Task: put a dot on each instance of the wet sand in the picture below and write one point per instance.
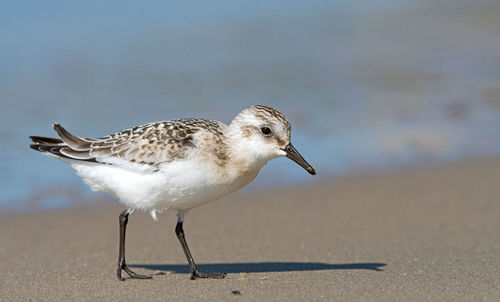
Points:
(428, 233)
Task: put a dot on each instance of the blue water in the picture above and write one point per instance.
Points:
(366, 86)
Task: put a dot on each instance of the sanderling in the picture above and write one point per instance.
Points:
(175, 165)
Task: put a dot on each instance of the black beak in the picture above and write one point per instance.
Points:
(294, 155)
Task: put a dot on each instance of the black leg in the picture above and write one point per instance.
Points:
(123, 218)
(195, 273)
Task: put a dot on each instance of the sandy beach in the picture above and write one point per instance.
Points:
(429, 233)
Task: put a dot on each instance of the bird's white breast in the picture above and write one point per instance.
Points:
(178, 185)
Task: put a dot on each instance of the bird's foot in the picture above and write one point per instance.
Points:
(197, 274)
(123, 266)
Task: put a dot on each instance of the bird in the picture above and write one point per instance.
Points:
(175, 165)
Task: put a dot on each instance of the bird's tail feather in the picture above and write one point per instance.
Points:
(46, 140)
(74, 142)
(69, 146)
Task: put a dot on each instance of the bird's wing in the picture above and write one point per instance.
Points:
(150, 144)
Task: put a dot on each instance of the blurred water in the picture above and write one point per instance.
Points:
(366, 85)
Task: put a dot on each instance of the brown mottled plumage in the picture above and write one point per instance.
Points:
(150, 144)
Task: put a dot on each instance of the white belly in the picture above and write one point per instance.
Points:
(178, 185)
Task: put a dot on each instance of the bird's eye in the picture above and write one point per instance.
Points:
(266, 131)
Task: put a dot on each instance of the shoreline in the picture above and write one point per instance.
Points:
(423, 233)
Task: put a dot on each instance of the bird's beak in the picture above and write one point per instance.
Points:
(294, 155)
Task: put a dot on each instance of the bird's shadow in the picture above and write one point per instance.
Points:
(263, 267)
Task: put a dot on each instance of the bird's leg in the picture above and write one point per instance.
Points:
(195, 273)
(123, 218)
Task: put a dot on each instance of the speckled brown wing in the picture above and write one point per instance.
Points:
(153, 143)
(150, 144)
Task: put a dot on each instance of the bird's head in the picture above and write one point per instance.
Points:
(264, 133)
